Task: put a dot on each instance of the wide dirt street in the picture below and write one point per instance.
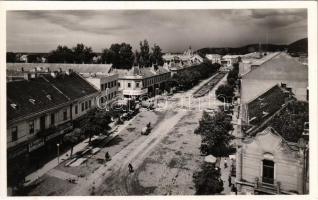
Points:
(163, 161)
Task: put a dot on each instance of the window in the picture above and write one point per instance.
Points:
(108, 84)
(102, 87)
(82, 106)
(137, 84)
(76, 110)
(268, 171)
(14, 133)
(90, 103)
(129, 85)
(118, 84)
(86, 105)
(31, 127)
(52, 119)
(64, 115)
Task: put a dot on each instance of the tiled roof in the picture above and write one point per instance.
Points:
(80, 68)
(265, 105)
(44, 92)
(143, 72)
(290, 121)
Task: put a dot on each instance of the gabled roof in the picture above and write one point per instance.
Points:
(32, 96)
(280, 68)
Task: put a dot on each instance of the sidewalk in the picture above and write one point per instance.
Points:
(53, 163)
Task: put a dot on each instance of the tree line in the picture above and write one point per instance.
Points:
(121, 55)
(225, 92)
(186, 79)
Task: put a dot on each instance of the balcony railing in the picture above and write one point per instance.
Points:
(267, 185)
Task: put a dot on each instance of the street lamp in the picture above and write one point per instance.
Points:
(58, 153)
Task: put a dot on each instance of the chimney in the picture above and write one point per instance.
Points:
(68, 72)
(26, 76)
(283, 85)
(289, 89)
(53, 74)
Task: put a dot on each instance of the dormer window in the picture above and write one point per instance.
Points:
(49, 97)
(13, 105)
(32, 101)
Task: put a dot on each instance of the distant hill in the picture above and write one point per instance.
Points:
(242, 50)
(298, 47)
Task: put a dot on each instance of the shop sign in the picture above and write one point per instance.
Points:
(36, 144)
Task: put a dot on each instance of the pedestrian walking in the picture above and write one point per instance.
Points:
(107, 156)
(225, 163)
(130, 167)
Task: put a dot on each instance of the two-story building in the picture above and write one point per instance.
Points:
(107, 84)
(139, 82)
(40, 110)
(272, 149)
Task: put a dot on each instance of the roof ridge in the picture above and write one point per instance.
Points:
(68, 98)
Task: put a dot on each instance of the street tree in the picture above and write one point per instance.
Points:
(97, 122)
(208, 181)
(214, 131)
(225, 93)
(72, 138)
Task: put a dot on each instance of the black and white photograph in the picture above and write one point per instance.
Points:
(148, 102)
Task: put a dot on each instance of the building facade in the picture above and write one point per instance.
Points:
(139, 82)
(107, 84)
(40, 110)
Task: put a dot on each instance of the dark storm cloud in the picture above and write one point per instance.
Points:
(279, 18)
(173, 30)
(71, 20)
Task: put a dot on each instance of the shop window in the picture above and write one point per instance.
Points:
(14, 133)
(31, 127)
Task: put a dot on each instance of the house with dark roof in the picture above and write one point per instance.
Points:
(42, 108)
(272, 144)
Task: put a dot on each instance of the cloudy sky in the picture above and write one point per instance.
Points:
(173, 30)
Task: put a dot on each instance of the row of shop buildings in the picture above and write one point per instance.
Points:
(44, 100)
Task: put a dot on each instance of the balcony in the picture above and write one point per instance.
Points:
(267, 185)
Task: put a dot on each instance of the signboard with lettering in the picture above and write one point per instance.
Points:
(36, 144)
